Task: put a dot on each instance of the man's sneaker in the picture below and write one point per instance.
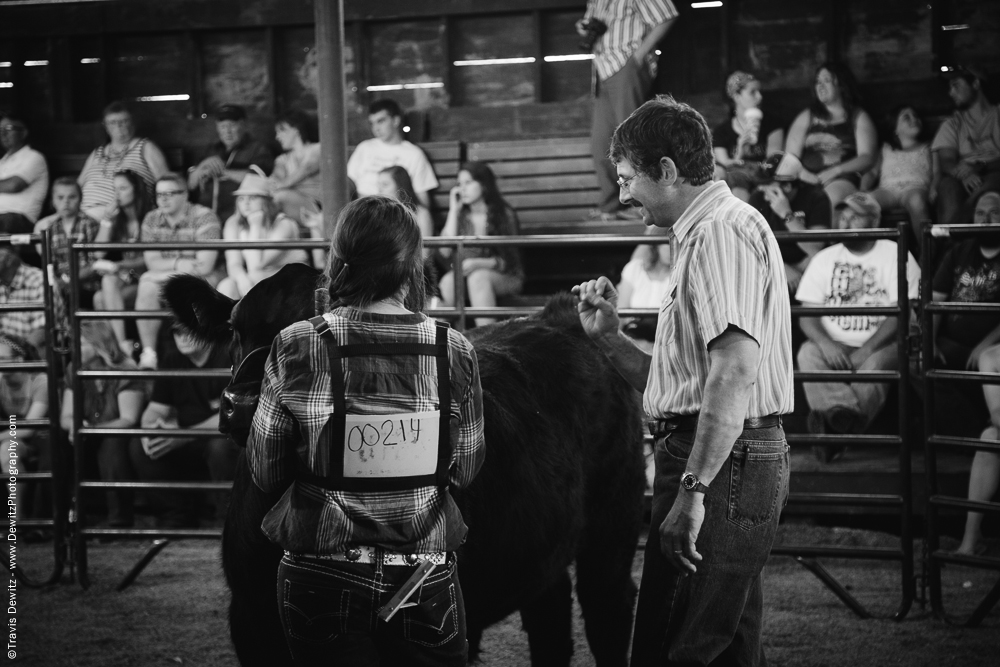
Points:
(148, 359)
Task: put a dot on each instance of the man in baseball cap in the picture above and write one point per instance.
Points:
(857, 272)
(226, 162)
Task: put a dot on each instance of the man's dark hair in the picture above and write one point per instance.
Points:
(304, 122)
(13, 117)
(385, 104)
(116, 107)
(664, 127)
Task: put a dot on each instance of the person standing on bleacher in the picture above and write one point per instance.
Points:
(622, 35)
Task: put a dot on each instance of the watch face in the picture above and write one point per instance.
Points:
(689, 481)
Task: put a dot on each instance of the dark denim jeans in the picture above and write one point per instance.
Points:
(713, 617)
(329, 610)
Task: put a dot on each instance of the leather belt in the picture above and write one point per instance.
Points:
(661, 427)
(375, 555)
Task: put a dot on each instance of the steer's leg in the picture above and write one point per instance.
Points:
(548, 620)
(606, 591)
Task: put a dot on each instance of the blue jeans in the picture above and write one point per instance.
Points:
(713, 617)
(329, 611)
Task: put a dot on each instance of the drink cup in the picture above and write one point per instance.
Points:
(751, 120)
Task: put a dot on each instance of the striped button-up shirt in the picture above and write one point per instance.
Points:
(296, 402)
(728, 271)
(628, 21)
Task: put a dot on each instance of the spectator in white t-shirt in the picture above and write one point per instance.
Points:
(389, 149)
(645, 280)
(24, 178)
(858, 272)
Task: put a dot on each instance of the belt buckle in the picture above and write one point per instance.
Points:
(352, 555)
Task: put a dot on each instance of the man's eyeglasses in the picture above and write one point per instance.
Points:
(623, 183)
(11, 128)
(170, 193)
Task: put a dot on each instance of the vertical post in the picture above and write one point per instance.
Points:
(332, 110)
(905, 471)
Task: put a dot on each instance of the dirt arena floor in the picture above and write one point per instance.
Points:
(174, 614)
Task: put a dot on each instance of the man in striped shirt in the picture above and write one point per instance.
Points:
(719, 378)
(625, 65)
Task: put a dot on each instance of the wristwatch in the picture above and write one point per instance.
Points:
(690, 482)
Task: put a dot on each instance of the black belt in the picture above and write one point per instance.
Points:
(660, 427)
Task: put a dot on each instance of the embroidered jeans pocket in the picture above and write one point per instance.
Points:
(315, 614)
(756, 479)
(432, 622)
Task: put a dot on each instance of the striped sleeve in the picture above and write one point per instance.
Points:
(727, 264)
(655, 12)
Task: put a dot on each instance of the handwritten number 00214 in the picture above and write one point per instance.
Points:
(367, 434)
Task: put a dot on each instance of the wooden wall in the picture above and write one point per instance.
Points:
(258, 53)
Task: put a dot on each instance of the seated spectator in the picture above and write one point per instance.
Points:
(108, 403)
(476, 208)
(176, 220)
(24, 178)
(226, 163)
(20, 283)
(790, 205)
(645, 280)
(968, 149)
(395, 182)
(120, 271)
(123, 151)
(68, 225)
(835, 139)
(858, 272)
(388, 148)
(25, 395)
(296, 180)
(969, 341)
(186, 402)
(904, 171)
(743, 141)
(257, 218)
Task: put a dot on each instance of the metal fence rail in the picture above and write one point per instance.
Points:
(936, 558)
(901, 502)
(59, 468)
(804, 554)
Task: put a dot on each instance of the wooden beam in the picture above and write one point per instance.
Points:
(196, 105)
(332, 110)
(536, 22)
(270, 44)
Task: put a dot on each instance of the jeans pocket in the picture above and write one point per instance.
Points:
(432, 622)
(314, 614)
(757, 471)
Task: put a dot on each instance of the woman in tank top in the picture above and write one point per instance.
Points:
(123, 152)
(834, 138)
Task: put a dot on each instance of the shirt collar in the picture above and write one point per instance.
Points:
(695, 211)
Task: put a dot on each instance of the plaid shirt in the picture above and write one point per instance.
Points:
(199, 224)
(26, 285)
(296, 402)
(84, 230)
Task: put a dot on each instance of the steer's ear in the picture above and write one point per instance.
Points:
(199, 307)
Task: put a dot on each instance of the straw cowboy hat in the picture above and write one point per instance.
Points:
(254, 183)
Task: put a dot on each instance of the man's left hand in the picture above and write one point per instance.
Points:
(679, 531)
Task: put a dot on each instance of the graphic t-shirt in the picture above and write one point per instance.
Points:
(965, 275)
(838, 277)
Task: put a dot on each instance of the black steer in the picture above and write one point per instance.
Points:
(562, 480)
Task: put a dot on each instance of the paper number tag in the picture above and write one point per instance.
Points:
(396, 445)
